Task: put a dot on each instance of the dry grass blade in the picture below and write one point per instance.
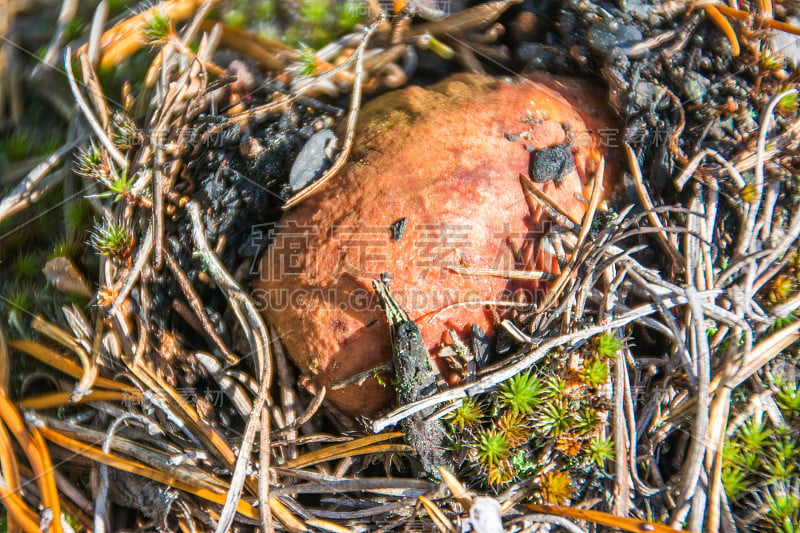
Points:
(5, 365)
(441, 521)
(90, 371)
(549, 205)
(138, 452)
(559, 285)
(94, 89)
(768, 22)
(311, 410)
(272, 55)
(145, 250)
(61, 399)
(264, 461)
(197, 306)
(88, 114)
(648, 206)
(725, 26)
(60, 336)
(210, 437)
(519, 364)
(782, 26)
(339, 450)
(158, 207)
(747, 234)
(8, 465)
(286, 517)
(505, 274)
(127, 37)
(95, 33)
(594, 202)
(242, 304)
(365, 450)
(471, 18)
(720, 410)
(29, 189)
(19, 514)
(35, 450)
(692, 466)
(243, 460)
(457, 489)
(59, 362)
(494, 303)
(328, 526)
(45, 478)
(96, 454)
(761, 354)
(696, 275)
(605, 519)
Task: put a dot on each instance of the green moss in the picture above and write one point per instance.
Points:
(788, 104)
(18, 301)
(17, 146)
(491, 447)
(64, 248)
(321, 21)
(524, 466)
(74, 28)
(760, 469)
(26, 266)
(554, 419)
(595, 373)
(783, 508)
(111, 239)
(264, 11)
(607, 345)
(157, 28)
(235, 18)
(601, 450)
(754, 434)
(734, 480)
(119, 186)
(555, 387)
(587, 421)
(308, 62)
(350, 13)
(315, 12)
(467, 414)
(124, 133)
(788, 397)
(522, 393)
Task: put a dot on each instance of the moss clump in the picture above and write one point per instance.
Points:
(760, 465)
(544, 424)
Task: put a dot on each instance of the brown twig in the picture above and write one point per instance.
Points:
(352, 118)
(197, 306)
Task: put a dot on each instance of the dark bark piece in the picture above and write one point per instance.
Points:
(415, 380)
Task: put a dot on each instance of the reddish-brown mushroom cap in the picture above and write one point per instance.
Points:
(441, 158)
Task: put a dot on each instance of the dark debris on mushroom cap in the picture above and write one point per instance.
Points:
(551, 163)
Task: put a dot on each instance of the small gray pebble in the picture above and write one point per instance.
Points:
(485, 516)
(608, 34)
(312, 161)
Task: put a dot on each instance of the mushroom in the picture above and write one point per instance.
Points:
(432, 185)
